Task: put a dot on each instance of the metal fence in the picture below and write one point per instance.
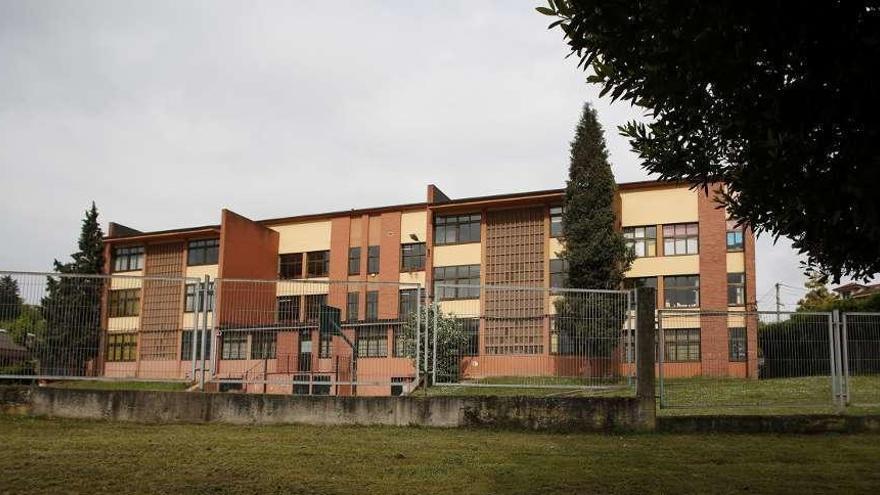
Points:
(733, 359)
(501, 336)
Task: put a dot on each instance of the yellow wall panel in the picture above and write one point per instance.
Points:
(658, 206)
(554, 248)
(200, 271)
(414, 222)
(123, 324)
(303, 237)
(457, 254)
(294, 288)
(122, 280)
(412, 278)
(462, 307)
(736, 263)
(665, 265)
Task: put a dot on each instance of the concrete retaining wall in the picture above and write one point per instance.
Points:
(546, 414)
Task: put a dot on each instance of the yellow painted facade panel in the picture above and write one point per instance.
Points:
(413, 278)
(303, 237)
(122, 280)
(461, 307)
(123, 323)
(665, 265)
(295, 288)
(554, 248)
(200, 271)
(736, 263)
(658, 206)
(458, 254)
(414, 222)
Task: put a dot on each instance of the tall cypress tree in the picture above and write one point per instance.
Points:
(10, 299)
(72, 306)
(590, 323)
(595, 250)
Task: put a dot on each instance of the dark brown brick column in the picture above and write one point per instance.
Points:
(713, 283)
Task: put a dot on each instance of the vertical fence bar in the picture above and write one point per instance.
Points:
(203, 342)
(434, 347)
(832, 364)
(197, 302)
(845, 347)
(661, 345)
(419, 307)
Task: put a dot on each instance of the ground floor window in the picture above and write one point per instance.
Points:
(234, 346)
(186, 343)
(122, 347)
(263, 345)
(681, 345)
(372, 341)
(738, 344)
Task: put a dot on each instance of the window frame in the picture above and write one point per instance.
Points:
(295, 262)
(457, 223)
(354, 260)
(671, 340)
(556, 213)
(683, 237)
(121, 347)
(740, 288)
(186, 340)
(737, 346)
(376, 339)
(234, 349)
(373, 260)
(732, 229)
(667, 287)
(558, 268)
(322, 261)
(630, 236)
(312, 306)
(189, 298)
(406, 256)
(371, 308)
(128, 253)
(264, 345)
(406, 298)
(352, 306)
(457, 293)
(121, 303)
(205, 247)
(295, 302)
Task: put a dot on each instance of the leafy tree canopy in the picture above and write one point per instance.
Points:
(817, 297)
(778, 100)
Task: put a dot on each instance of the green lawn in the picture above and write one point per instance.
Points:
(120, 385)
(64, 456)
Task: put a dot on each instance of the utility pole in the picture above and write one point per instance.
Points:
(778, 303)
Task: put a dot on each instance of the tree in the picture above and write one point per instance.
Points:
(818, 297)
(594, 249)
(779, 102)
(72, 305)
(452, 339)
(10, 299)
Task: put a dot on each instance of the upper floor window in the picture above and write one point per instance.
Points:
(680, 239)
(318, 263)
(263, 345)
(290, 265)
(457, 275)
(186, 344)
(457, 229)
(642, 241)
(555, 221)
(412, 257)
(372, 307)
(638, 282)
(234, 345)
(313, 306)
(121, 346)
(558, 272)
(682, 291)
(203, 252)
(195, 292)
(124, 302)
(354, 260)
(373, 260)
(127, 259)
(734, 236)
(352, 306)
(288, 308)
(736, 289)
(408, 303)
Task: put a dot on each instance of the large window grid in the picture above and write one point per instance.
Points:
(372, 260)
(372, 341)
(642, 241)
(290, 266)
(127, 259)
(234, 346)
(121, 347)
(318, 263)
(461, 274)
(412, 257)
(193, 293)
(457, 229)
(124, 302)
(736, 289)
(681, 345)
(681, 291)
(681, 239)
(203, 252)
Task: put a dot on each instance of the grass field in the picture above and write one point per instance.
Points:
(41, 456)
(120, 385)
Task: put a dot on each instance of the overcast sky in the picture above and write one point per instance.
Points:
(165, 112)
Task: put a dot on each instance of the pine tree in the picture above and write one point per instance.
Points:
(597, 257)
(72, 306)
(10, 299)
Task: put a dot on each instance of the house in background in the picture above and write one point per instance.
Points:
(855, 290)
(686, 248)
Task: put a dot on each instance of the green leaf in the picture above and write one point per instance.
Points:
(545, 11)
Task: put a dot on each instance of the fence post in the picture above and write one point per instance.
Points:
(646, 298)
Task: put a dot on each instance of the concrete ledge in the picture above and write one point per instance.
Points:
(531, 413)
(806, 423)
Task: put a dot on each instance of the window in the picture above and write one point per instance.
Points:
(558, 273)
(682, 345)
(404, 343)
(637, 282)
(372, 341)
(318, 263)
(462, 274)
(680, 239)
(736, 289)
(320, 385)
(234, 346)
(186, 343)
(642, 241)
(290, 266)
(555, 221)
(263, 345)
(304, 363)
(412, 257)
(372, 307)
(124, 302)
(738, 344)
(408, 303)
(121, 347)
(193, 293)
(470, 328)
(325, 342)
(313, 306)
(351, 306)
(734, 236)
(354, 260)
(128, 259)
(204, 252)
(457, 229)
(682, 291)
(373, 260)
(288, 309)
